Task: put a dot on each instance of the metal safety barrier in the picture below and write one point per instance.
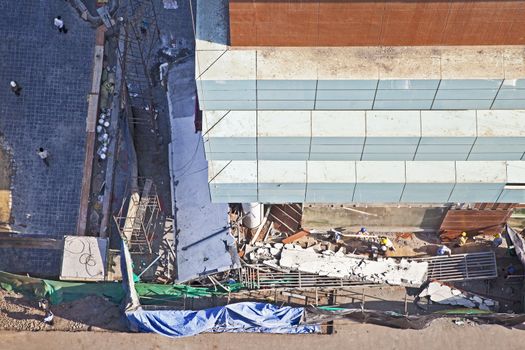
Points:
(462, 267)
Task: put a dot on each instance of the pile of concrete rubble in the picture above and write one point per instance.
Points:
(293, 257)
(442, 293)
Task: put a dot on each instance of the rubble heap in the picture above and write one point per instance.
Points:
(444, 294)
(340, 265)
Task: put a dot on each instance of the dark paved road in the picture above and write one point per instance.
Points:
(54, 71)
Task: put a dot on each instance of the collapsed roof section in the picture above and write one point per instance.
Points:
(203, 240)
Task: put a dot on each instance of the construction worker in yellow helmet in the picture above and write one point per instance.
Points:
(497, 240)
(463, 239)
(386, 244)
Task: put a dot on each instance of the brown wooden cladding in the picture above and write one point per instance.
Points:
(376, 23)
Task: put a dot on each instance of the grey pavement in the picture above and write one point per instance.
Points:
(54, 70)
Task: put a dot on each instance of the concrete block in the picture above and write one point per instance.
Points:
(398, 63)
(380, 172)
(330, 124)
(393, 123)
(287, 64)
(282, 172)
(283, 124)
(331, 172)
(425, 172)
(233, 64)
(229, 124)
(232, 171)
(480, 172)
(501, 123)
(448, 124)
(516, 172)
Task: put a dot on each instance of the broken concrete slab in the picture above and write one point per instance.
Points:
(442, 293)
(353, 267)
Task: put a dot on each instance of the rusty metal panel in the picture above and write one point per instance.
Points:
(287, 217)
(485, 218)
(374, 23)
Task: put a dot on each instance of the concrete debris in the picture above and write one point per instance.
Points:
(351, 267)
(444, 294)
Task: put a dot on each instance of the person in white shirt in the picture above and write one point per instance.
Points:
(43, 154)
(59, 23)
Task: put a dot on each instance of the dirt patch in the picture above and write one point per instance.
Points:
(441, 334)
(19, 313)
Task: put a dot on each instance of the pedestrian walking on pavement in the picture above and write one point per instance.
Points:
(59, 23)
(15, 87)
(43, 154)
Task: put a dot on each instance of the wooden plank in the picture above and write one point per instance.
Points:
(296, 236)
(96, 78)
(86, 184)
(30, 242)
(91, 120)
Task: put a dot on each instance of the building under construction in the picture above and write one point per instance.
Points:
(373, 177)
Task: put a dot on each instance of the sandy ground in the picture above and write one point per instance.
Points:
(18, 313)
(442, 334)
(5, 187)
(94, 323)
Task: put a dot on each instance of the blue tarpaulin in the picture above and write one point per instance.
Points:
(239, 317)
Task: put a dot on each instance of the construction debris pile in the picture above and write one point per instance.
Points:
(293, 257)
(444, 294)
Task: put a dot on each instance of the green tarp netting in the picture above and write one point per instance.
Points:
(59, 291)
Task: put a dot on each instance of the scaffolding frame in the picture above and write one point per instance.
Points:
(138, 221)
